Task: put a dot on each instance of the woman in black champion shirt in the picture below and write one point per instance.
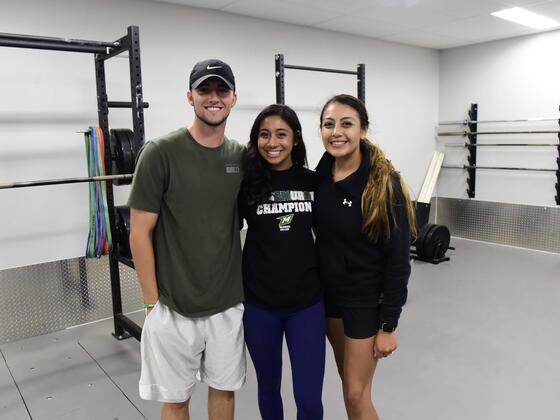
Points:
(283, 296)
(363, 218)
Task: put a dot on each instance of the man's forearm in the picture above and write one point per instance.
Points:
(141, 246)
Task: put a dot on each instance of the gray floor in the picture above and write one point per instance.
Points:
(479, 339)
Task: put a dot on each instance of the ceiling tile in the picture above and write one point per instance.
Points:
(478, 28)
(361, 26)
(206, 4)
(428, 23)
(280, 11)
(342, 7)
(462, 9)
(425, 39)
(549, 9)
(525, 3)
(409, 13)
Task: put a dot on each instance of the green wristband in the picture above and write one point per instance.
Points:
(149, 305)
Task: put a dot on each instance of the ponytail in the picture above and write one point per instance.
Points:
(378, 198)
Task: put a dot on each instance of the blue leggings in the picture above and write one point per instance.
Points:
(305, 337)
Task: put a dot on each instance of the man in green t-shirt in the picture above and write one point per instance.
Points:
(186, 248)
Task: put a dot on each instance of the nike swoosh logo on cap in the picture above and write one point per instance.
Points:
(209, 67)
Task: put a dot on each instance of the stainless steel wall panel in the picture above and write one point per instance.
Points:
(48, 297)
(533, 227)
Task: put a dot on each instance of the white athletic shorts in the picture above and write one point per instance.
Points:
(177, 351)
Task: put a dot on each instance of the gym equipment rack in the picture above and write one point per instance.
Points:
(472, 134)
(360, 73)
(124, 327)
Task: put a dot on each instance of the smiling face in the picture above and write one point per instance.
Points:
(341, 130)
(212, 101)
(275, 142)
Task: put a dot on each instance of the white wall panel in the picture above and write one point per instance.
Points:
(511, 79)
(47, 96)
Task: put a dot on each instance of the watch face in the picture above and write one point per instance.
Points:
(388, 328)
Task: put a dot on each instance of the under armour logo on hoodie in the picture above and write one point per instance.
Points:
(347, 203)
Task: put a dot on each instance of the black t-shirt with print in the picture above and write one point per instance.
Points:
(279, 260)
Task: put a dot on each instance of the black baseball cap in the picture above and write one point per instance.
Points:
(206, 69)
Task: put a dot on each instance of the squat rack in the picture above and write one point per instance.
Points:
(360, 73)
(124, 327)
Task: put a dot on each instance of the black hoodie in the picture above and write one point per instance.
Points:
(356, 271)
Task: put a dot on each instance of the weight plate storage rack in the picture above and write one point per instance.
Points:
(124, 145)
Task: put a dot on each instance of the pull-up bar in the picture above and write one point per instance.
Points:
(360, 73)
(287, 66)
(58, 44)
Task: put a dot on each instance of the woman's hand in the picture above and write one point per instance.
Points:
(384, 344)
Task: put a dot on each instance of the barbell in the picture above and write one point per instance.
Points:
(466, 132)
(124, 152)
(58, 181)
(501, 168)
(465, 122)
(503, 145)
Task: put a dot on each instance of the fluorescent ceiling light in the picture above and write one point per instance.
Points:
(524, 17)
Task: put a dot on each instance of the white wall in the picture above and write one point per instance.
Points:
(510, 79)
(48, 96)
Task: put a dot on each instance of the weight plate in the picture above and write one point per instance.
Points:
(421, 239)
(122, 153)
(436, 242)
(129, 164)
(116, 152)
(122, 225)
(126, 146)
(428, 243)
(441, 238)
(136, 146)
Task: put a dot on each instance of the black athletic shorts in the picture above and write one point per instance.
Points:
(357, 322)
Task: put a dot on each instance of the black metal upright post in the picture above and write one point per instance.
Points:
(471, 169)
(103, 116)
(362, 82)
(279, 73)
(131, 43)
(136, 88)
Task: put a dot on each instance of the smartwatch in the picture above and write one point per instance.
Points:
(387, 327)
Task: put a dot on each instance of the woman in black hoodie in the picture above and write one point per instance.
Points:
(364, 218)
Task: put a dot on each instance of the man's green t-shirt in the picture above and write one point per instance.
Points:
(196, 239)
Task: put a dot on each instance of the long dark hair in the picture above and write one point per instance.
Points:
(378, 198)
(256, 179)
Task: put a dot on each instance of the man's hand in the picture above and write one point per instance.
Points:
(142, 224)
